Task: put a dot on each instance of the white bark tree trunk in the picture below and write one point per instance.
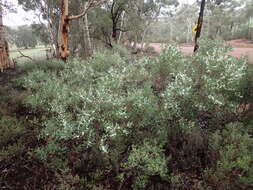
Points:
(87, 31)
(143, 37)
(121, 26)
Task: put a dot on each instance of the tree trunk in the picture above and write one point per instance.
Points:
(121, 26)
(147, 25)
(53, 39)
(200, 23)
(85, 41)
(143, 37)
(171, 31)
(251, 37)
(189, 34)
(218, 31)
(87, 31)
(114, 32)
(5, 61)
(64, 25)
(250, 28)
(135, 42)
(63, 31)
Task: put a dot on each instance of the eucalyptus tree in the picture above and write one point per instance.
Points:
(110, 21)
(230, 19)
(49, 11)
(248, 15)
(130, 17)
(58, 18)
(41, 33)
(145, 13)
(5, 61)
(152, 10)
(117, 8)
(224, 16)
(25, 37)
(65, 19)
(167, 29)
(101, 26)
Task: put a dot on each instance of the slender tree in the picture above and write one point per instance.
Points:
(65, 19)
(5, 61)
(200, 23)
(117, 9)
(87, 32)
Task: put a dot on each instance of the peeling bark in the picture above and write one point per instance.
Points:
(5, 61)
(63, 31)
(64, 25)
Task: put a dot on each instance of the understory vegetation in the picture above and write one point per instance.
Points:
(116, 122)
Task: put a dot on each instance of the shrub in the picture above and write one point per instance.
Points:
(164, 68)
(102, 62)
(11, 131)
(122, 51)
(209, 89)
(53, 65)
(111, 123)
(149, 50)
(146, 161)
(232, 159)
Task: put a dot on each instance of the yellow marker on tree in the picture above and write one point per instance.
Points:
(194, 29)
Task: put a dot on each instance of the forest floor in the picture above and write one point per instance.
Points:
(241, 48)
(9, 96)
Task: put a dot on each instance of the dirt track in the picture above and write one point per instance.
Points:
(237, 51)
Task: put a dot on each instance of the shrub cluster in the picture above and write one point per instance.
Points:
(116, 123)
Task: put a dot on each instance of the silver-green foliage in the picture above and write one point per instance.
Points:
(147, 160)
(233, 149)
(210, 83)
(127, 110)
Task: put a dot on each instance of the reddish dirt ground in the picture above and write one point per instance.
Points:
(240, 48)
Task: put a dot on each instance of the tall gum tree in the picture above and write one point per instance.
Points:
(65, 19)
(5, 61)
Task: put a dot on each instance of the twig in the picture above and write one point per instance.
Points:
(23, 55)
(91, 5)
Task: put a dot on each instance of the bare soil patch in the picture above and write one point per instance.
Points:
(240, 48)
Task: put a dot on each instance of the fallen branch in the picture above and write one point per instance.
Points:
(23, 55)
